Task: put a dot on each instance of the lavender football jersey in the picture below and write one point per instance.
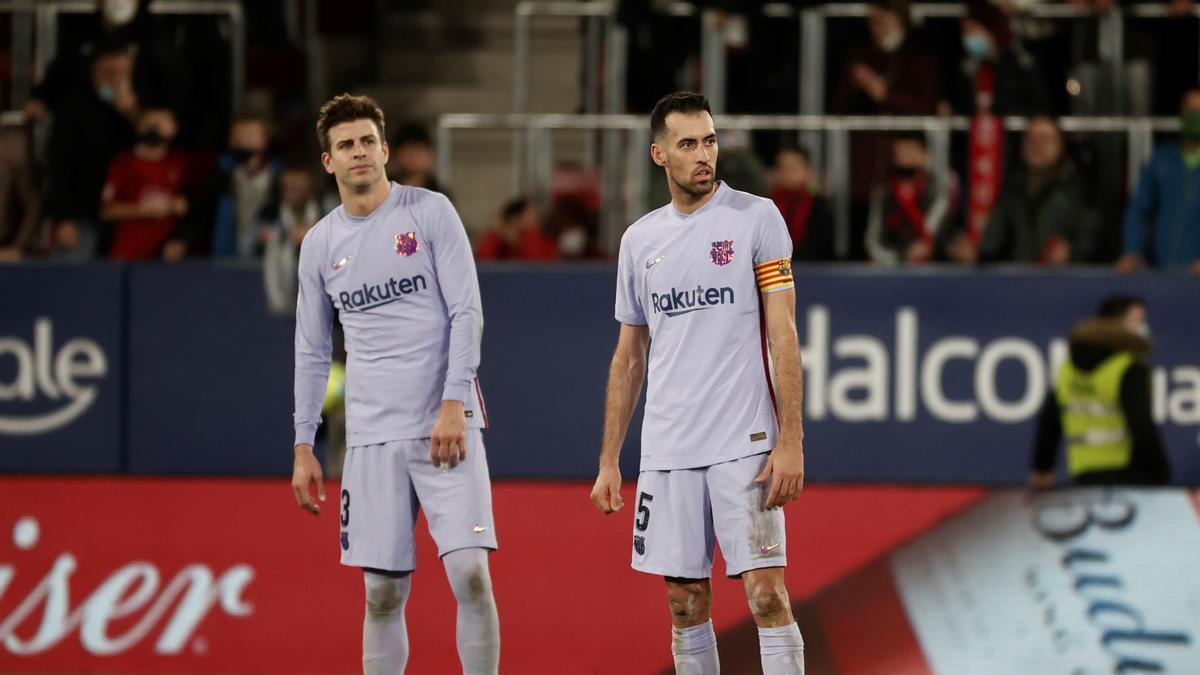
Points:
(695, 280)
(403, 281)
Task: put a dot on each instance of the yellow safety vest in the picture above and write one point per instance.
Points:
(1097, 434)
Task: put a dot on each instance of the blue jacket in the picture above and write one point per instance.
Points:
(1162, 221)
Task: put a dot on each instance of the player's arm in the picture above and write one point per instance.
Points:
(786, 462)
(455, 266)
(314, 345)
(625, 377)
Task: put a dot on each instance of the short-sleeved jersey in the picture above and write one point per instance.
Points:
(695, 281)
(403, 281)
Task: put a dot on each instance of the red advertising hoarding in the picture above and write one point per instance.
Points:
(229, 576)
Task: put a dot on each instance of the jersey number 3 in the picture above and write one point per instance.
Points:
(643, 512)
(345, 508)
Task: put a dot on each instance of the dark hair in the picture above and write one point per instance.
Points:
(514, 207)
(1117, 306)
(912, 136)
(109, 48)
(685, 102)
(346, 108)
(412, 132)
(898, 7)
(795, 149)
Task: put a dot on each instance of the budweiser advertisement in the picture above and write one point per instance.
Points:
(122, 575)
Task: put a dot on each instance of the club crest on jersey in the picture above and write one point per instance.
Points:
(722, 252)
(407, 244)
(639, 544)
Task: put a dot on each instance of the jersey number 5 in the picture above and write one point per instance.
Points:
(643, 512)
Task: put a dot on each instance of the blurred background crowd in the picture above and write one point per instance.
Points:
(133, 141)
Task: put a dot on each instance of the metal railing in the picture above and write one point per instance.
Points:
(624, 175)
(600, 14)
(35, 36)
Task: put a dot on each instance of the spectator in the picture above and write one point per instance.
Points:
(143, 192)
(804, 209)
(909, 212)
(994, 78)
(282, 227)
(1041, 216)
(157, 73)
(20, 198)
(86, 134)
(574, 229)
(226, 214)
(412, 158)
(892, 75)
(741, 168)
(1162, 221)
(1102, 404)
(518, 236)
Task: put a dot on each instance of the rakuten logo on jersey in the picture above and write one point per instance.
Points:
(137, 587)
(374, 295)
(65, 378)
(877, 383)
(675, 302)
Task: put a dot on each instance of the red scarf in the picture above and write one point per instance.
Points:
(985, 158)
(908, 197)
(796, 206)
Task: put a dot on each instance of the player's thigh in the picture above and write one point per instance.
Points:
(457, 502)
(751, 537)
(377, 508)
(672, 524)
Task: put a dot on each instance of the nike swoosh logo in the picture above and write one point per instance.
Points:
(480, 529)
(655, 261)
(768, 549)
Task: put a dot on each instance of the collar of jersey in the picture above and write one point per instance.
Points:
(391, 195)
(718, 193)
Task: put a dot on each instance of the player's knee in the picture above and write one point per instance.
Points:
(768, 602)
(689, 603)
(385, 596)
(474, 585)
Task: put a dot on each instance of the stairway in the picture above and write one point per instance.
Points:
(458, 56)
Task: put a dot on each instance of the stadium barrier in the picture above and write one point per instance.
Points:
(925, 377)
(229, 576)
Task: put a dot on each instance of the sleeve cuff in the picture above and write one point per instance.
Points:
(456, 392)
(305, 433)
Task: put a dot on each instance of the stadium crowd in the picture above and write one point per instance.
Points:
(131, 169)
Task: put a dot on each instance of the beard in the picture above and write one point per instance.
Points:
(696, 187)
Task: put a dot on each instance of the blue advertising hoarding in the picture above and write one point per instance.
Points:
(61, 362)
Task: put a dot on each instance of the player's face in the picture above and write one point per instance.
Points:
(688, 151)
(356, 155)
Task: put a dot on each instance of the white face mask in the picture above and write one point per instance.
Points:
(892, 41)
(120, 12)
(1143, 329)
(572, 243)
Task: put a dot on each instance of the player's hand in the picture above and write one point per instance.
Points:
(448, 441)
(306, 469)
(606, 493)
(786, 464)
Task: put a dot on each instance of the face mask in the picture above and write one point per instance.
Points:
(153, 138)
(1143, 330)
(241, 155)
(1190, 121)
(107, 93)
(572, 243)
(977, 46)
(892, 41)
(120, 12)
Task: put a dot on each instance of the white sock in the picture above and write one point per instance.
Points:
(385, 637)
(695, 650)
(782, 650)
(478, 627)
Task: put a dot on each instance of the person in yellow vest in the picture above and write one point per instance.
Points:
(1101, 405)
